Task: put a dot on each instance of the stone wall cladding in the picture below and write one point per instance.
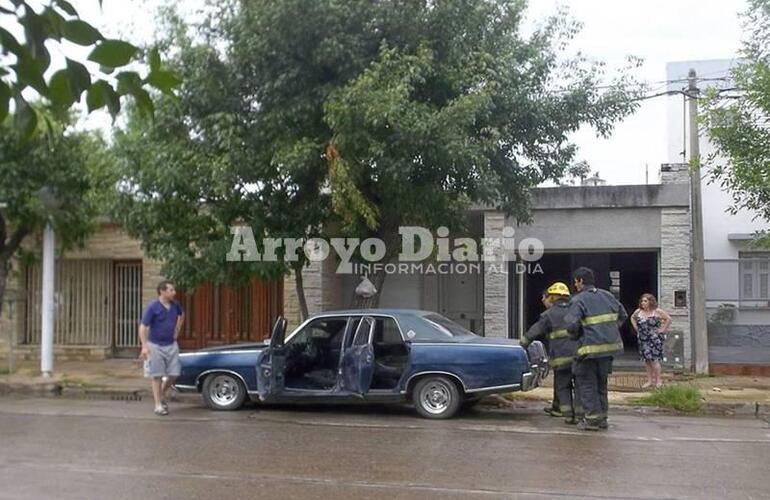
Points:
(312, 281)
(495, 282)
(12, 316)
(675, 173)
(675, 270)
(109, 242)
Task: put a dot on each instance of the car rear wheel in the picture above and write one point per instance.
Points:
(223, 391)
(436, 397)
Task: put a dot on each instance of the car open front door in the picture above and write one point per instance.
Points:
(271, 363)
(358, 360)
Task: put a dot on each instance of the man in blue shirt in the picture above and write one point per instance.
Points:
(161, 323)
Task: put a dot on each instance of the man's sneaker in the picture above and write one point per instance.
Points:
(570, 421)
(603, 424)
(161, 411)
(588, 425)
(554, 413)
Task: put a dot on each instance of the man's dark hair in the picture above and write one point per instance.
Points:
(163, 285)
(584, 274)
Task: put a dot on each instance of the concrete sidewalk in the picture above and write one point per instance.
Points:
(123, 378)
(118, 376)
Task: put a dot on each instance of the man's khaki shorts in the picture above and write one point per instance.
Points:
(163, 361)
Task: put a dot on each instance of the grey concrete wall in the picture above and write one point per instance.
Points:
(737, 343)
(637, 196)
(593, 229)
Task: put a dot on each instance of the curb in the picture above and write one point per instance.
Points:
(58, 390)
(725, 409)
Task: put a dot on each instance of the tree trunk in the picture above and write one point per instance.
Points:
(378, 278)
(7, 251)
(300, 287)
(3, 278)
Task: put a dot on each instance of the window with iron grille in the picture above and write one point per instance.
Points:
(755, 276)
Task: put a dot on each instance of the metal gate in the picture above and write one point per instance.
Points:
(128, 305)
(83, 309)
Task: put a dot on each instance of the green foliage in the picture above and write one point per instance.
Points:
(738, 127)
(682, 398)
(59, 159)
(55, 160)
(26, 62)
(182, 178)
(353, 117)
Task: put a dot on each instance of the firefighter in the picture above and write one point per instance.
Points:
(594, 318)
(561, 349)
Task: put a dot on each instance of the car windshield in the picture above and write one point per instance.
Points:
(446, 326)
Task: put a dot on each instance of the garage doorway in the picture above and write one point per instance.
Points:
(627, 274)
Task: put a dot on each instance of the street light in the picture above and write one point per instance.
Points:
(51, 203)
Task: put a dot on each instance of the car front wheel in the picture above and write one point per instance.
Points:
(436, 397)
(223, 391)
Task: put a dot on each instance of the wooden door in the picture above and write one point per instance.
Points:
(218, 315)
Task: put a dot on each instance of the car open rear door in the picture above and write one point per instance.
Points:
(271, 363)
(358, 360)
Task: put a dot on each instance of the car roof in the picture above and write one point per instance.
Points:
(374, 312)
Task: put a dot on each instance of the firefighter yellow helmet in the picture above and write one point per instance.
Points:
(558, 288)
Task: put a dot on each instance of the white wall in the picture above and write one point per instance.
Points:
(718, 224)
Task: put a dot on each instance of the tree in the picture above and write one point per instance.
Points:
(353, 118)
(58, 162)
(24, 64)
(738, 125)
(424, 108)
(185, 177)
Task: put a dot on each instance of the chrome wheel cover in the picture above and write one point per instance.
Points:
(224, 390)
(436, 397)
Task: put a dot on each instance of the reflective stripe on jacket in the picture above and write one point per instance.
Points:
(551, 325)
(593, 319)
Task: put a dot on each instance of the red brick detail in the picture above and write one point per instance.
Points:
(735, 369)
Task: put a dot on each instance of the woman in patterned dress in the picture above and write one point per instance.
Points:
(651, 324)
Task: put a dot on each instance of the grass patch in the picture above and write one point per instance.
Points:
(684, 398)
(74, 382)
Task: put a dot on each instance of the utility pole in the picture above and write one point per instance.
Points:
(47, 320)
(700, 353)
(51, 203)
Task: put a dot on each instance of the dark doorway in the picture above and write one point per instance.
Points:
(627, 274)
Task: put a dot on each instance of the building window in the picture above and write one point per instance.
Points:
(755, 276)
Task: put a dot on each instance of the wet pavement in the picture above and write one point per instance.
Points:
(83, 449)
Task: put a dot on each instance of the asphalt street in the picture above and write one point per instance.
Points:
(95, 449)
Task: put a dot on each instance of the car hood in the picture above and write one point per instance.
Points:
(235, 347)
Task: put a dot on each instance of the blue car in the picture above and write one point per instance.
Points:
(377, 356)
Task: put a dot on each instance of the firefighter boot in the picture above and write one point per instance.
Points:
(588, 425)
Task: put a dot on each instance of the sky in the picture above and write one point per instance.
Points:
(658, 31)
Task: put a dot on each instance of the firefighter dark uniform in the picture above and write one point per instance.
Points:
(593, 320)
(561, 349)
